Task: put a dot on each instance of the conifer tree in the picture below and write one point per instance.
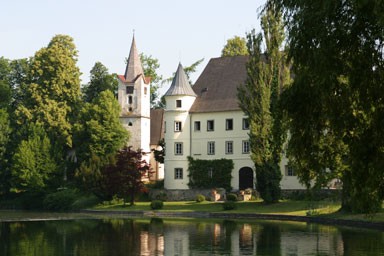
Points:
(259, 98)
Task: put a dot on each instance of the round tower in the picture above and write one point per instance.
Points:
(179, 99)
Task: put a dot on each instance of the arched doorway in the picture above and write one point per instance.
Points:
(245, 178)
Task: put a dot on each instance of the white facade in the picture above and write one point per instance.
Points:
(177, 140)
(210, 134)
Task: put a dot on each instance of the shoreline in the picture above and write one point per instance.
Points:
(251, 216)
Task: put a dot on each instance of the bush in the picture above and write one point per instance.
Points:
(157, 204)
(229, 205)
(60, 201)
(85, 202)
(232, 197)
(200, 198)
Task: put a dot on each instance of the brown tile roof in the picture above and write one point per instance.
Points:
(216, 88)
(157, 130)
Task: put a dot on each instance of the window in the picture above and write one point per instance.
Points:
(211, 148)
(229, 147)
(129, 89)
(130, 124)
(229, 124)
(210, 125)
(130, 99)
(178, 173)
(145, 90)
(197, 126)
(177, 126)
(245, 146)
(289, 171)
(245, 124)
(210, 172)
(178, 148)
(178, 103)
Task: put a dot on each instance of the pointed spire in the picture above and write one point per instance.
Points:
(134, 67)
(180, 84)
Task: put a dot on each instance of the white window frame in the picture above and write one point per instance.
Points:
(227, 122)
(178, 104)
(178, 148)
(178, 126)
(245, 147)
(210, 148)
(245, 124)
(229, 147)
(178, 173)
(210, 125)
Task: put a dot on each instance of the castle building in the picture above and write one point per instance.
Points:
(203, 121)
(206, 122)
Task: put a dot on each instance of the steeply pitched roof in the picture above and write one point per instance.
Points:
(216, 88)
(134, 67)
(157, 130)
(180, 84)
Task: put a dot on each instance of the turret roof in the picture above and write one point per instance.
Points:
(180, 84)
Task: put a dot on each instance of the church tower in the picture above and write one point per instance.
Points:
(134, 98)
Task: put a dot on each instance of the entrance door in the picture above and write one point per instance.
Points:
(245, 178)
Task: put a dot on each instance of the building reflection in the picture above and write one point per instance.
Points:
(250, 239)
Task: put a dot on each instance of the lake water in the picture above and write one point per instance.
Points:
(115, 236)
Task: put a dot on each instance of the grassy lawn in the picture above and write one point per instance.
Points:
(325, 208)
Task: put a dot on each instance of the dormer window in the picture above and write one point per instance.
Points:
(178, 103)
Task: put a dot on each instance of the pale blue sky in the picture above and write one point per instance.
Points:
(169, 30)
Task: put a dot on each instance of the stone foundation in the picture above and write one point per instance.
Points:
(186, 194)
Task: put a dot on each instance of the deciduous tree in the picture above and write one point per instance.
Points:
(336, 96)
(125, 177)
(100, 80)
(236, 46)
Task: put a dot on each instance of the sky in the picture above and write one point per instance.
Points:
(171, 31)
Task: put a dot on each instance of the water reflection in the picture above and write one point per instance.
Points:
(176, 237)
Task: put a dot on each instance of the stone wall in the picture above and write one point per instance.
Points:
(186, 194)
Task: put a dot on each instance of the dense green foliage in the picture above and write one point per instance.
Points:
(54, 131)
(34, 165)
(335, 103)
(100, 80)
(200, 198)
(150, 66)
(210, 173)
(61, 200)
(259, 98)
(157, 205)
(236, 46)
(229, 205)
(231, 197)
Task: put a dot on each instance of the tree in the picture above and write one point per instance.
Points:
(337, 95)
(159, 154)
(259, 98)
(99, 131)
(33, 163)
(236, 46)
(100, 80)
(150, 66)
(125, 177)
(52, 96)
